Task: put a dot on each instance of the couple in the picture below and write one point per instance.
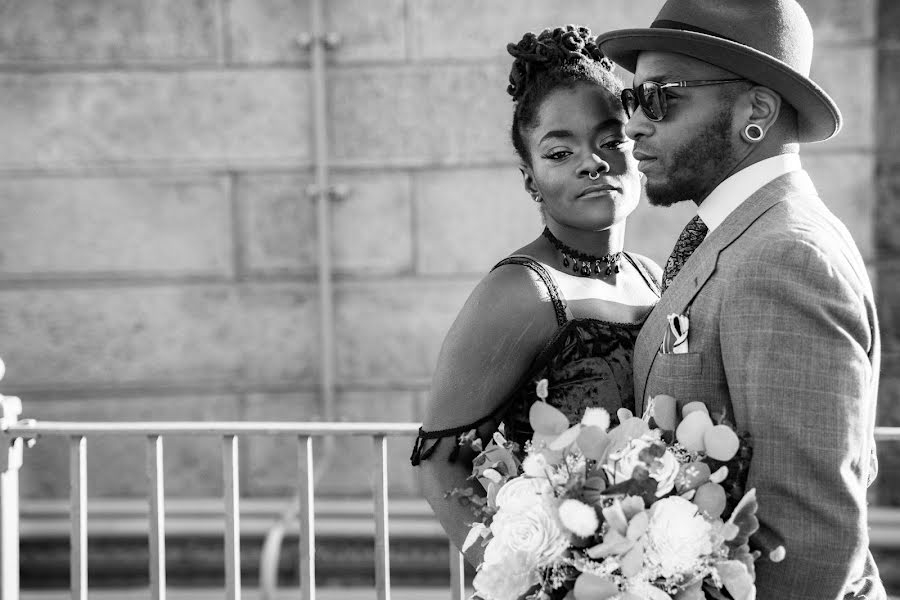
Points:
(783, 336)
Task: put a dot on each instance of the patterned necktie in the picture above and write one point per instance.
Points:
(691, 236)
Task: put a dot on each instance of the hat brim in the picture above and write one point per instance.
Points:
(818, 116)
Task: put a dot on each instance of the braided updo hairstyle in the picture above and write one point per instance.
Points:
(553, 59)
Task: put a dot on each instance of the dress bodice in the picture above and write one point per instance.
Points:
(587, 363)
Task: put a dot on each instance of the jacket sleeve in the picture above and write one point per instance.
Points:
(797, 337)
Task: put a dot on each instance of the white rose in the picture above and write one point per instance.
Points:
(621, 465)
(522, 492)
(676, 537)
(533, 531)
(507, 578)
(665, 473)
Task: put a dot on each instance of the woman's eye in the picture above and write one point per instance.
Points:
(558, 155)
(615, 144)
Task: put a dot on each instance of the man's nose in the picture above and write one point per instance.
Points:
(638, 125)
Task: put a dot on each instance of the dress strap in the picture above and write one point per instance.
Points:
(648, 277)
(559, 303)
(422, 452)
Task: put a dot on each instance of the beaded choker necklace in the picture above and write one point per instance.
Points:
(584, 264)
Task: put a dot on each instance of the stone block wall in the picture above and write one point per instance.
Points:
(886, 237)
(158, 247)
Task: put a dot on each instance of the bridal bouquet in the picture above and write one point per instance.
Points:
(650, 509)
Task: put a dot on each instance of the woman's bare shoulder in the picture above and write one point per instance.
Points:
(505, 299)
(505, 322)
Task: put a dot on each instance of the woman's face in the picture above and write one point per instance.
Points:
(576, 127)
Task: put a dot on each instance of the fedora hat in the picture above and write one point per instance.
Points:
(769, 42)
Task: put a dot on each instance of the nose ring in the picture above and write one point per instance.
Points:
(594, 176)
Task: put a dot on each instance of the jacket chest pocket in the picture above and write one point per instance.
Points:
(678, 375)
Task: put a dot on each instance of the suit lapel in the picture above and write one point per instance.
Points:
(675, 299)
(700, 267)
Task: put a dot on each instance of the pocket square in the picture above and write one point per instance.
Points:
(675, 339)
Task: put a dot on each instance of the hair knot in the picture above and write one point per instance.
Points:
(551, 49)
(573, 44)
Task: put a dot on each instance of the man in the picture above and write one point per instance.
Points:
(782, 336)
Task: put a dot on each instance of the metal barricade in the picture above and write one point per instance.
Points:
(18, 433)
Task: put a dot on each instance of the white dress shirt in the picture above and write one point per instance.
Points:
(729, 194)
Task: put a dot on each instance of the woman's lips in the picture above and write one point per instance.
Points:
(593, 191)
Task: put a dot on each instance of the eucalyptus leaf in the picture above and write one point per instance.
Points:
(547, 419)
(594, 587)
(566, 438)
(593, 442)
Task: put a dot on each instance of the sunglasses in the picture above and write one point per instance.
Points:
(652, 100)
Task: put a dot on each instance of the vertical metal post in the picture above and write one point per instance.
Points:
(78, 507)
(457, 574)
(382, 540)
(323, 211)
(155, 475)
(232, 519)
(306, 492)
(10, 463)
(317, 41)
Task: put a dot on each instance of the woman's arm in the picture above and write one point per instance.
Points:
(502, 327)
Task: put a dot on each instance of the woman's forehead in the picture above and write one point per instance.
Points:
(585, 102)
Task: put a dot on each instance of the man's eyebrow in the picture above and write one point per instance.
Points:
(664, 77)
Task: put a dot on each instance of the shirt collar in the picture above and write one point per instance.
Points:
(729, 194)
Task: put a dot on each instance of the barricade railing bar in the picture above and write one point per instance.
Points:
(16, 433)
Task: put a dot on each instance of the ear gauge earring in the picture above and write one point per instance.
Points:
(753, 133)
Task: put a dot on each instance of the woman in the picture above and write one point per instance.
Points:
(567, 306)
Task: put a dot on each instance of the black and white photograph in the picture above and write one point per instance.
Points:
(467, 299)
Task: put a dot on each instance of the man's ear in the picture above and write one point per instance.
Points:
(528, 181)
(765, 106)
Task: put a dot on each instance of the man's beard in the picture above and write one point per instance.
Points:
(695, 168)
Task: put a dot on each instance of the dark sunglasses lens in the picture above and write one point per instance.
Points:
(652, 101)
(629, 101)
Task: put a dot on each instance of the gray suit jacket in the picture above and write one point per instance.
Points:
(783, 339)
